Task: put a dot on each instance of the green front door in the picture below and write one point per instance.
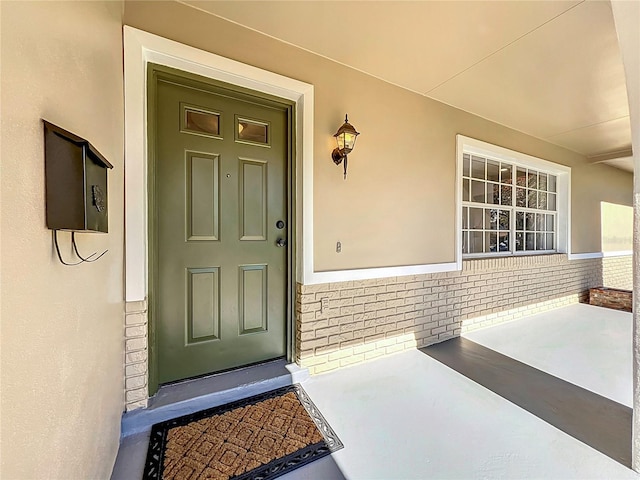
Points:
(221, 212)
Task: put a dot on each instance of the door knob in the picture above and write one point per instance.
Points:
(281, 242)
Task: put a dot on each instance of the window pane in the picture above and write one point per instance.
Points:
(550, 245)
(505, 173)
(521, 177)
(519, 220)
(491, 219)
(493, 171)
(551, 202)
(505, 195)
(540, 241)
(542, 181)
(202, 122)
(465, 165)
(465, 189)
(531, 221)
(477, 191)
(475, 218)
(465, 217)
(529, 241)
(491, 242)
(493, 193)
(551, 184)
(519, 241)
(532, 198)
(542, 200)
(253, 131)
(504, 219)
(549, 223)
(521, 197)
(503, 241)
(540, 222)
(465, 242)
(477, 167)
(475, 242)
(532, 179)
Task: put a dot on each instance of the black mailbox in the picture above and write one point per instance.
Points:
(76, 182)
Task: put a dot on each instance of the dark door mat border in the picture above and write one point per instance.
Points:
(154, 464)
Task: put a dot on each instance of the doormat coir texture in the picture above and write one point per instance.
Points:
(261, 437)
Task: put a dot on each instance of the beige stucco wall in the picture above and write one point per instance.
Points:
(397, 205)
(62, 327)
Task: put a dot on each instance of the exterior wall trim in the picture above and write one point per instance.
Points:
(584, 256)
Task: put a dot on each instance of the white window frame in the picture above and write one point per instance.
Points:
(517, 159)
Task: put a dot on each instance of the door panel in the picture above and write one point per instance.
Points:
(220, 291)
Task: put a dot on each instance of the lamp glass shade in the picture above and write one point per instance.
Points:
(346, 137)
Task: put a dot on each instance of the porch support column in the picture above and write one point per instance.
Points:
(626, 15)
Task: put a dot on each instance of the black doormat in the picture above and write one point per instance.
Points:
(261, 437)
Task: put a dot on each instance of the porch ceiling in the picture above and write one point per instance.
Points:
(549, 69)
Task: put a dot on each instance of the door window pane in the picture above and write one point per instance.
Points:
(201, 122)
(521, 177)
(252, 131)
(532, 198)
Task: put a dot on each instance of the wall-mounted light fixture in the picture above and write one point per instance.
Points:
(346, 139)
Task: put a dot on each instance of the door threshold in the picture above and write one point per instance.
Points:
(189, 396)
(220, 373)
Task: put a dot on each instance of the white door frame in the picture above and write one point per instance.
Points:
(141, 48)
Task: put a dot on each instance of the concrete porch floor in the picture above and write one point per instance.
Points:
(410, 416)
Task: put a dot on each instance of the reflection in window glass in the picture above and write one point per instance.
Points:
(475, 218)
(475, 242)
(202, 122)
(493, 191)
(505, 173)
(465, 165)
(493, 171)
(252, 131)
(477, 167)
(465, 190)
(477, 191)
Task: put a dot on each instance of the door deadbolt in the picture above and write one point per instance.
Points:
(279, 224)
(281, 242)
